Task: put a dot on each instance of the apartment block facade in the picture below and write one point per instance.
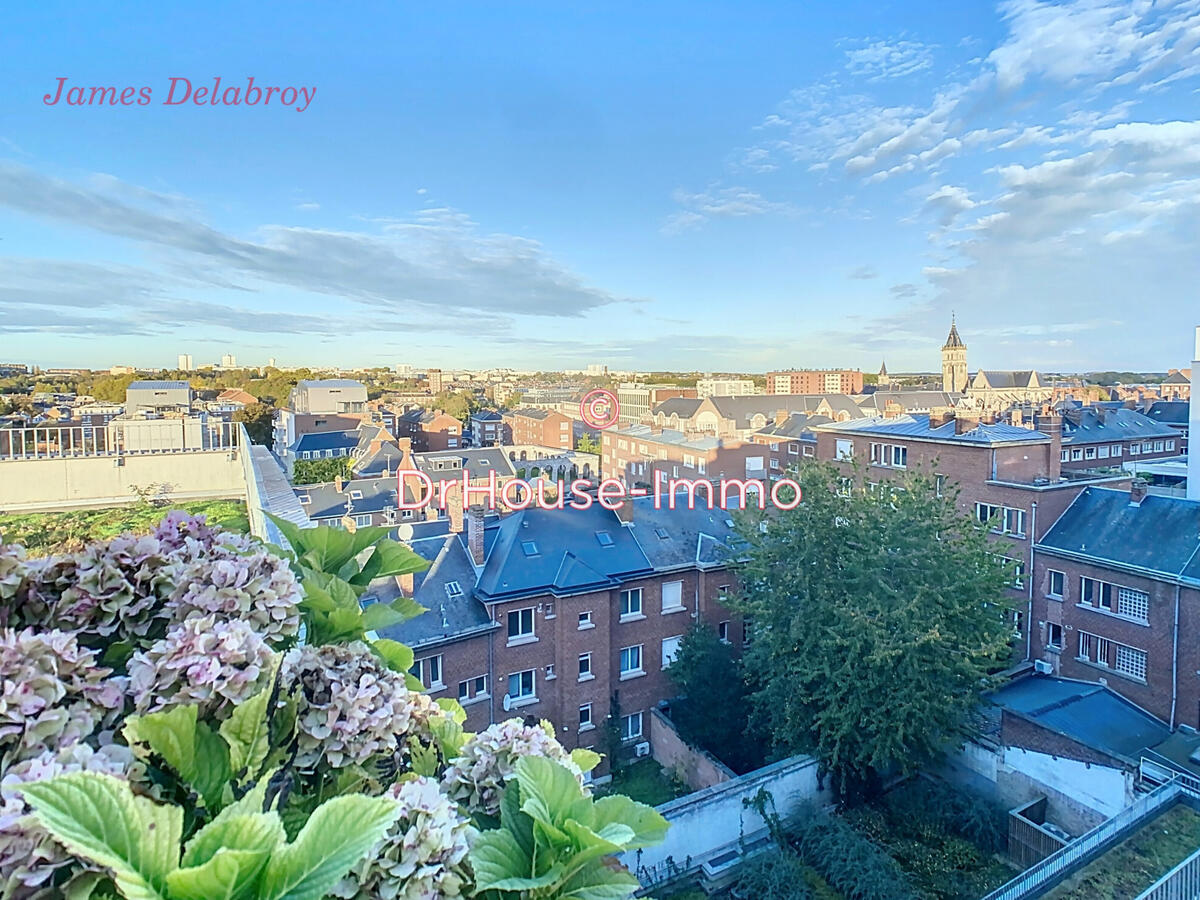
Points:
(636, 454)
(540, 427)
(637, 400)
(815, 381)
(430, 430)
(572, 616)
(1116, 599)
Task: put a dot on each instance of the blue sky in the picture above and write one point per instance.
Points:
(719, 186)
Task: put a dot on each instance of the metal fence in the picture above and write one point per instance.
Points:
(1181, 883)
(115, 439)
(1041, 877)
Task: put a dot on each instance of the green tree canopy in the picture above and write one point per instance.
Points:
(587, 444)
(877, 614)
(257, 417)
(320, 471)
(712, 710)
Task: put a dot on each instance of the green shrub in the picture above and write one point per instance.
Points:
(851, 864)
(932, 809)
(777, 874)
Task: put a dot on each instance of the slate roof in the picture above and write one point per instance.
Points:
(1088, 713)
(1177, 378)
(326, 440)
(487, 415)
(742, 409)
(531, 412)
(684, 407)
(1160, 536)
(909, 399)
(1169, 412)
(797, 426)
(450, 614)
(1092, 425)
(567, 556)
(388, 456)
(1009, 379)
(693, 537)
(953, 340)
(916, 425)
(477, 461)
(326, 502)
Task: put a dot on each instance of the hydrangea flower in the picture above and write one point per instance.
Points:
(14, 570)
(351, 706)
(52, 693)
(31, 862)
(476, 778)
(249, 584)
(114, 588)
(202, 660)
(180, 529)
(423, 856)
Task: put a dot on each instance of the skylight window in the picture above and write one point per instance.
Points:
(530, 548)
(453, 589)
(662, 533)
(356, 495)
(604, 538)
(304, 498)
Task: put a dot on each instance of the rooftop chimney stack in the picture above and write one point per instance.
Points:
(1193, 479)
(1137, 492)
(475, 533)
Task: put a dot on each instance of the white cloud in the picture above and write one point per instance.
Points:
(879, 59)
(718, 203)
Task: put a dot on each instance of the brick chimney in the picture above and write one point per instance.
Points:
(781, 416)
(964, 422)
(625, 511)
(940, 415)
(406, 583)
(475, 533)
(1018, 418)
(454, 508)
(892, 410)
(338, 483)
(1137, 492)
(1050, 423)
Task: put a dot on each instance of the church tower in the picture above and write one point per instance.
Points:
(884, 379)
(954, 362)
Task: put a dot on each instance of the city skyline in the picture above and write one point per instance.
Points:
(542, 188)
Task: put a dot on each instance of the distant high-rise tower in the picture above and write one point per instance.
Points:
(884, 379)
(434, 377)
(185, 362)
(954, 362)
(228, 361)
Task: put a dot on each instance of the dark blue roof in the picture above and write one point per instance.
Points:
(916, 425)
(538, 550)
(1091, 714)
(1161, 535)
(326, 440)
(1170, 412)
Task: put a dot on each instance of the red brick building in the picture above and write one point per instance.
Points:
(539, 427)
(636, 453)
(567, 615)
(1116, 599)
(1006, 475)
(815, 381)
(430, 430)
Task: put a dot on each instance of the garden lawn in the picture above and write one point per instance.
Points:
(645, 781)
(44, 534)
(1133, 865)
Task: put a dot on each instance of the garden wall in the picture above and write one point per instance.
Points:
(713, 824)
(41, 485)
(696, 768)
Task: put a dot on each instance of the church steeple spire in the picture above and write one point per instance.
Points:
(954, 361)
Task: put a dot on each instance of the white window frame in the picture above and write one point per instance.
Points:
(522, 636)
(632, 661)
(675, 588)
(625, 605)
(631, 727)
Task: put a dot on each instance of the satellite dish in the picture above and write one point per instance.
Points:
(405, 532)
(506, 702)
